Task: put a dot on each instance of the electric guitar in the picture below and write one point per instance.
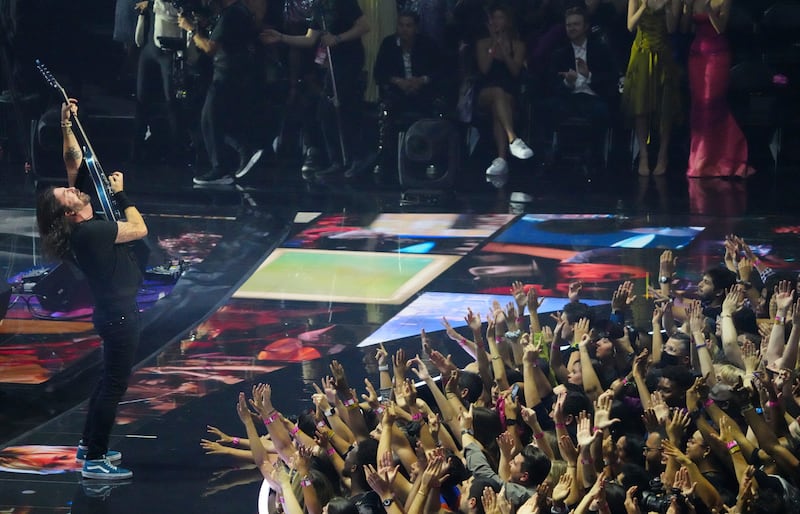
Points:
(102, 187)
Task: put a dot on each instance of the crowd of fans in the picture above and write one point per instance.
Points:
(696, 412)
(516, 70)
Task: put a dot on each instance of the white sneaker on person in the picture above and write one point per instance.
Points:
(499, 166)
(519, 149)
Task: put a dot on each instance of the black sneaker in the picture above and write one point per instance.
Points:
(248, 165)
(311, 164)
(213, 178)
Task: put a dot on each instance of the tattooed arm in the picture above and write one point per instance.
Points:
(71, 149)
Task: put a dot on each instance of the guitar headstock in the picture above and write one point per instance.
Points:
(48, 76)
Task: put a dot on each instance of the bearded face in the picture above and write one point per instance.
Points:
(71, 198)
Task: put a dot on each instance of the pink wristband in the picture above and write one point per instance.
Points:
(463, 341)
(560, 425)
(235, 441)
(294, 430)
(731, 444)
(596, 429)
(349, 402)
(271, 418)
(708, 402)
(331, 451)
(772, 403)
(416, 417)
(322, 424)
(539, 435)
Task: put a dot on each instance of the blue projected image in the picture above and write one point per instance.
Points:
(427, 310)
(594, 230)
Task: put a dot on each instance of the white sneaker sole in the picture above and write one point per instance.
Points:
(224, 181)
(252, 162)
(102, 475)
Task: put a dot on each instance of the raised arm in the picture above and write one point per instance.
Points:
(784, 296)
(658, 337)
(71, 150)
(449, 414)
(591, 382)
(730, 344)
(788, 358)
(134, 227)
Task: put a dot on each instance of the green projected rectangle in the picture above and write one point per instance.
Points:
(339, 276)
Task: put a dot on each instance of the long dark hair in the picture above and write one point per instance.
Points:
(54, 227)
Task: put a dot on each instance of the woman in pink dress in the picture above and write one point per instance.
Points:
(718, 146)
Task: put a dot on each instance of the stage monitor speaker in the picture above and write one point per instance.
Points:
(429, 154)
(63, 289)
(5, 298)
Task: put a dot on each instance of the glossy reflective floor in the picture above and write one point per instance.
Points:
(271, 279)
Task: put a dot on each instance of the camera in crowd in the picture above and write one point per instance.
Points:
(656, 499)
(191, 8)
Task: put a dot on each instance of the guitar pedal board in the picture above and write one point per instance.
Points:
(168, 272)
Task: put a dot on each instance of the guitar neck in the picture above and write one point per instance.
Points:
(96, 172)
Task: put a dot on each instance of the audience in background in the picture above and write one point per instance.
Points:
(516, 63)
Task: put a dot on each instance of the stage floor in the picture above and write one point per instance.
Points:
(270, 280)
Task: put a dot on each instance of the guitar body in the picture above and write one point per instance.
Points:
(109, 207)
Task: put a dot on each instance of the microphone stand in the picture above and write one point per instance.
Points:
(335, 98)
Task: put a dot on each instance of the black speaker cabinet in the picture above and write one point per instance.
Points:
(429, 154)
(63, 289)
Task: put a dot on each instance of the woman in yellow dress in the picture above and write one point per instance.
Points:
(651, 95)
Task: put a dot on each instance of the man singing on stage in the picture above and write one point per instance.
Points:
(70, 232)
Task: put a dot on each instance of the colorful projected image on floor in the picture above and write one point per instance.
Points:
(36, 358)
(39, 459)
(350, 277)
(426, 312)
(448, 234)
(595, 230)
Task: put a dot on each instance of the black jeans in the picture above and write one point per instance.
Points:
(120, 334)
(154, 82)
(350, 88)
(226, 119)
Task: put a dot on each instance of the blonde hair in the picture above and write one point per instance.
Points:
(728, 373)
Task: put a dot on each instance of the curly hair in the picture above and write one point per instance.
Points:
(54, 227)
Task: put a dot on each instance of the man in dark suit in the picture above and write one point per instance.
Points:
(406, 67)
(407, 71)
(583, 79)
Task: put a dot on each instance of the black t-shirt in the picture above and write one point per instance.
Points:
(235, 34)
(336, 17)
(111, 269)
